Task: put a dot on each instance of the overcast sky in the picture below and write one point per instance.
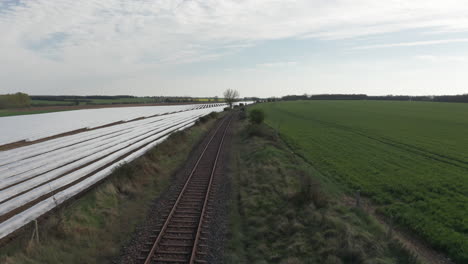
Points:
(259, 47)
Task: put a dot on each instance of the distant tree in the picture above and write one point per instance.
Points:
(230, 96)
(16, 100)
(216, 98)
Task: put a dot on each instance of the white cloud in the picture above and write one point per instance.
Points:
(60, 41)
(414, 43)
(277, 64)
(439, 59)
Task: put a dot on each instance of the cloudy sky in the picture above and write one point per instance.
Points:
(259, 47)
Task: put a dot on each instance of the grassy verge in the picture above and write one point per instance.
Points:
(93, 229)
(280, 212)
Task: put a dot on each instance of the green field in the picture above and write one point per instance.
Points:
(410, 158)
(49, 103)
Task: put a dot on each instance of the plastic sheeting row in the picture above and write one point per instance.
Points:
(39, 169)
(32, 127)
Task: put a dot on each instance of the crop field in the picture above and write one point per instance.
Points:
(410, 158)
(36, 178)
(33, 127)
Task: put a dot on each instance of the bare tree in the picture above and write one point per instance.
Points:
(230, 96)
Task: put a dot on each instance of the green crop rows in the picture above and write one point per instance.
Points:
(410, 158)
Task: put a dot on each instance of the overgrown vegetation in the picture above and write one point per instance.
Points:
(282, 214)
(256, 116)
(206, 118)
(410, 158)
(93, 229)
(17, 100)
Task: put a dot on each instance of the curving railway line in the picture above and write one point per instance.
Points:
(181, 238)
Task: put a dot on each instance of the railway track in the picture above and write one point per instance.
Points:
(180, 238)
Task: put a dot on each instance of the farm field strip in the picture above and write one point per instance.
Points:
(23, 218)
(58, 168)
(42, 147)
(410, 158)
(33, 127)
(36, 178)
(54, 158)
(13, 202)
(63, 142)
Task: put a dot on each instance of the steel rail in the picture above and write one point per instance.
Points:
(180, 196)
(205, 204)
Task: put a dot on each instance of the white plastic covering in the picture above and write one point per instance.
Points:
(75, 162)
(32, 127)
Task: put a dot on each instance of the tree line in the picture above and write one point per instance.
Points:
(437, 98)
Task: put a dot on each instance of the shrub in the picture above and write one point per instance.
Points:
(202, 120)
(257, 116)
(242, 115)
(213, 115)
(309, 191)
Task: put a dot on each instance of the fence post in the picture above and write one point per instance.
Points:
(37, 230)
(35, 233)
(358, 198)
(390, 228)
